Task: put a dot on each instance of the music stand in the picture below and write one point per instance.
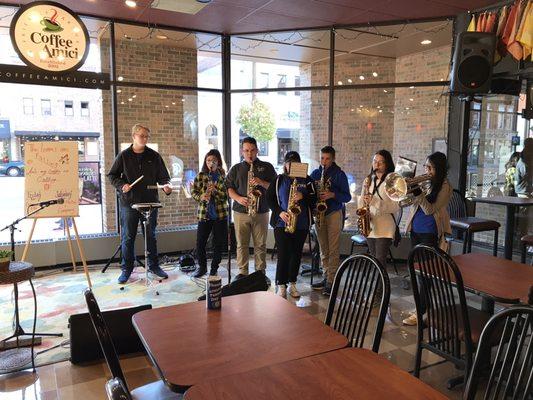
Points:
(145, 209)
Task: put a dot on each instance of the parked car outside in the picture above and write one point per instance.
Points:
(12, 168)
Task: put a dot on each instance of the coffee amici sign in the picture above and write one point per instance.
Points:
(48, 36)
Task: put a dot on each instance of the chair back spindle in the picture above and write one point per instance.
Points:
(357, 284)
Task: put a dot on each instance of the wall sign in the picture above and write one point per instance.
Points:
(48, 36)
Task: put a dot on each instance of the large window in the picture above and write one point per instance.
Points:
(27, 105)
(46, 107)
(496, 136)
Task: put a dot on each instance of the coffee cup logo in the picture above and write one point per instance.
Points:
(49, 36)
(50, 24)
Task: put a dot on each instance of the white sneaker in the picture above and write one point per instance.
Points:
(293, 291)
(281, 290)
(411, 320)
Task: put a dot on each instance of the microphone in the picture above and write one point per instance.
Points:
(49, 202)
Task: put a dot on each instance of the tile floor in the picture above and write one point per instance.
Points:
(66, 381)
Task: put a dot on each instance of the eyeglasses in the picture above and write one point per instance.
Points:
(144, 136)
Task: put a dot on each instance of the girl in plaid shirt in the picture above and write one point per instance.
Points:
(209, 190)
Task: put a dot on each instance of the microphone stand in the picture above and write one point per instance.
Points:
(18, 329)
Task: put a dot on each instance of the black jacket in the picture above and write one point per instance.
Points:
(308, 203)
(128, 166)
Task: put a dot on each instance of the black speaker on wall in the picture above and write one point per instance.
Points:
(473, 59)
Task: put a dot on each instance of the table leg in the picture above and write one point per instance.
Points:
(487, 305)
(509, 231)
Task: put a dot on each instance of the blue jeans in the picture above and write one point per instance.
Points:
(129, 221)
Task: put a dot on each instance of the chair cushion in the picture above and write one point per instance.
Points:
(478, 319)
(527, 239)
(155, 390)
(474, 224)
(359, 239)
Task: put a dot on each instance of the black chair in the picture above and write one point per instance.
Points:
(467, 226)
(116, 390)
(155, 390)
(360, 241)
(442, 312)
(352, 298)
(526, 241)
(510, 375)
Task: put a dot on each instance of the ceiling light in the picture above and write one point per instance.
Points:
(134, 96)
(380, 110)
(131, 3)
(349, 80)
(375, 74)
(411, 87)
(411, 99)
(361, 77)
(435, 101)
(119, 91)
(352, 110)
(130, 99)
(426, 41)
(339, 83)
(385, 91)
(161, 37)
(120, 78)
(173, 103)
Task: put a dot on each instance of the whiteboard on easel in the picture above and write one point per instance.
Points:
(51, 172)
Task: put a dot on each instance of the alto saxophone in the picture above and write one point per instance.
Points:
(293, 209)
(252, 193)
(321, 206)
(363, 213)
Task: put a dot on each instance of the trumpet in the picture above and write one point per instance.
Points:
(293, 209)
(363, 213)
(252, 193)
(402, 189)
(321, 206)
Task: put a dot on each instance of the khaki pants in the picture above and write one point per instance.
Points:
(257, 226)
(328, 238)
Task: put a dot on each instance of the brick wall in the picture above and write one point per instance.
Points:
(171, 116)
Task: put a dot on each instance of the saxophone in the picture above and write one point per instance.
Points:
(293, 209)
(252, 193)
(363, 213)
(321, 206)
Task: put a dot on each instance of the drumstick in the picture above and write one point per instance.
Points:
(136, 181)
(158, 186)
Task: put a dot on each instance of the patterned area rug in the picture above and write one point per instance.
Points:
(60, 295)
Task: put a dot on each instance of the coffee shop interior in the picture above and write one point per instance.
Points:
(416, 78)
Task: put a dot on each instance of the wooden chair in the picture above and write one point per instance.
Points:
(511, 371)
(445, 323)
(155, 390)
(526, 241)
(353, 295)
(470, 225)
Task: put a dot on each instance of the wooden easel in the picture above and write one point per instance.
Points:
(69, 240)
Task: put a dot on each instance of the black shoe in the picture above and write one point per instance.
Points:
(124, 276)
(159, 272)
(213, 271)
(239, 276)
(319, 285)
(199, 272)
(327, 289)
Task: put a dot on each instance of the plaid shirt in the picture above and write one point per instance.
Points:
(219, 194)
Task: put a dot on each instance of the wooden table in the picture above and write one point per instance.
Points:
(495, 279)
(345, 374)
(189, 344)
(511, 203)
